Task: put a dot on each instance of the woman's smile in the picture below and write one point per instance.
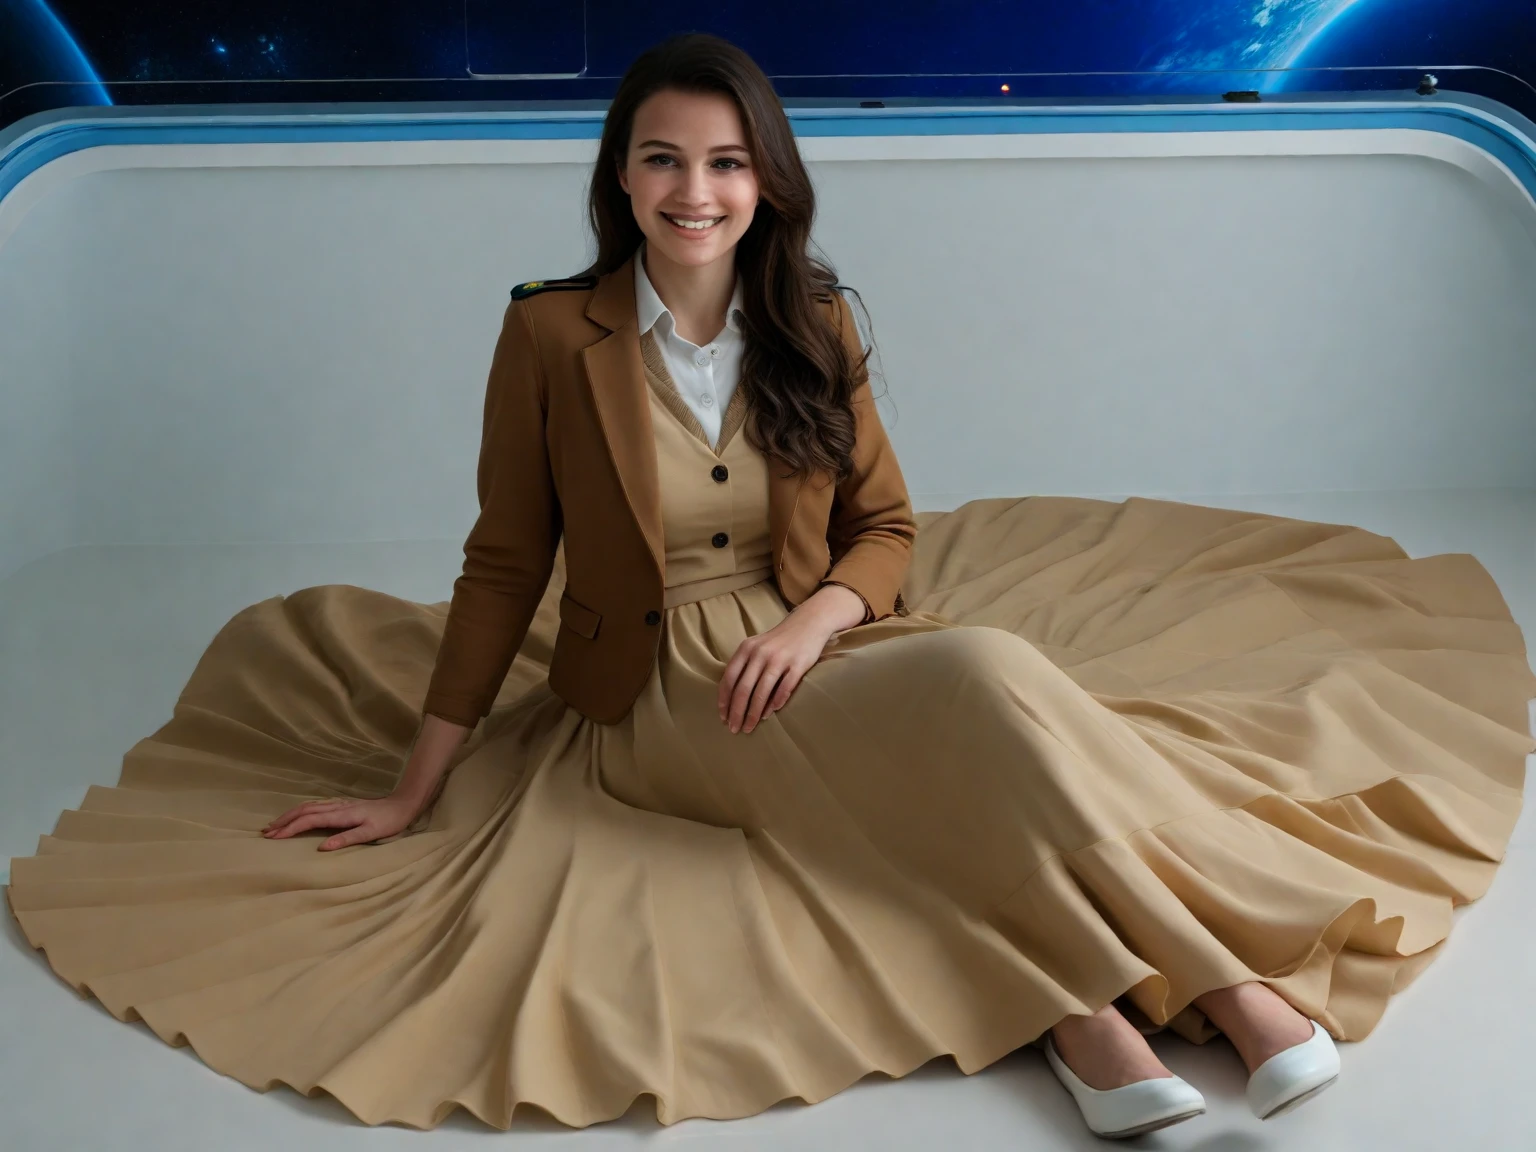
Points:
(693, 225)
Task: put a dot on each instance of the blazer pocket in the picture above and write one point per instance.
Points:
(578, 617)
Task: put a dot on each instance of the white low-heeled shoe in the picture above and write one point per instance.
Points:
(1294, 1076)
(1130, 1109)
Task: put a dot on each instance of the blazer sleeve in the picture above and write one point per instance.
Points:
(510, 552)
(871, 529)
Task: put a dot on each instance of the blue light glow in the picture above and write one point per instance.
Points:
(64, 34)
(1313, 36)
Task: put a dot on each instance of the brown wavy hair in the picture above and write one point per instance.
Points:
(798, 376)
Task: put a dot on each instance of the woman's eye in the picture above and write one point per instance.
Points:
(661, 158)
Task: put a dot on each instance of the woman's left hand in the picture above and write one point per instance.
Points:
(765, 669)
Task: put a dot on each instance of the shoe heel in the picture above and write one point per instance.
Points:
(1290, 1078)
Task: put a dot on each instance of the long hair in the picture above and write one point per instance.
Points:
(798, 376)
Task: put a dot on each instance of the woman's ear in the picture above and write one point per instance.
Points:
(623, 179)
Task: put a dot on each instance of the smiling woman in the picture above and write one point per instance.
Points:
(694, 191)
(677, 799)
(698, 172)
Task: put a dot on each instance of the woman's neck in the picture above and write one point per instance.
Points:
(697, 296)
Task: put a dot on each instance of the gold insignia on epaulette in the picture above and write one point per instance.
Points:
(532, 287)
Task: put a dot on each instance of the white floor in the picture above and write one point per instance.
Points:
(96, 643)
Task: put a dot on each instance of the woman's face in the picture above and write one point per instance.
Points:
(688, 165)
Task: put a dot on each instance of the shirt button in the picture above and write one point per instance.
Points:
(653, 617)
(706, 400)
(719, 472)
(701, 359)
(713, 351)
(720, 540)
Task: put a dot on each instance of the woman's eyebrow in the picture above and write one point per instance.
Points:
(676, 148)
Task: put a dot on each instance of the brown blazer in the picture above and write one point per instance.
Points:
(567, 449)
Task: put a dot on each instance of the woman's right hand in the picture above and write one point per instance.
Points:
(363, 820)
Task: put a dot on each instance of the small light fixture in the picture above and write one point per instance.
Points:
(1005, 87)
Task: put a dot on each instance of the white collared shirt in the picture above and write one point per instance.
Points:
(706, 377)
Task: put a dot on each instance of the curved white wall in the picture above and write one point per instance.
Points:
(298, 352)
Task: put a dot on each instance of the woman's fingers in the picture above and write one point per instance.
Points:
(787, 684)
(763, 672)
(733, 672)
(335, 816)
(767, 681)
(359, 835)
(360, 821)
(742, 697)
(303, 824)
(307, 807)
(731, 681)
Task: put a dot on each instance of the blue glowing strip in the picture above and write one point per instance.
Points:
(93, 76)
(32, 151)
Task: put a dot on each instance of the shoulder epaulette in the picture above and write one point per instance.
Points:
(534, 287)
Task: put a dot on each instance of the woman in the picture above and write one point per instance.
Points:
(760, 832)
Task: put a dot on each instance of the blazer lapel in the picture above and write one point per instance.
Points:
(616, 376)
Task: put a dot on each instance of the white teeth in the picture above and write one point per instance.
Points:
(697, 225)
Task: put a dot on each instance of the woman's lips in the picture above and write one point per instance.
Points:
(713, 223)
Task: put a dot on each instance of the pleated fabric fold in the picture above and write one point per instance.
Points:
(1119, 751)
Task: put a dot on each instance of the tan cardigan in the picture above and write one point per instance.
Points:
(568, 449)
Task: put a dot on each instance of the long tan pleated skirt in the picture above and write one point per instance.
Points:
(1137, 750)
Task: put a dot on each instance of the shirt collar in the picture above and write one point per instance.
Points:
(649, 308)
